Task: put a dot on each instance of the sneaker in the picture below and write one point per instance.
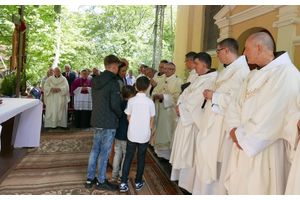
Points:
(139, 185)
(89, 183)
(120, 180)
(123, 187)
(106, 186)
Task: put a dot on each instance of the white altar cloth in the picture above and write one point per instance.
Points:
(28, 119)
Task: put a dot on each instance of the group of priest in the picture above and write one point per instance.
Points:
(235, 131)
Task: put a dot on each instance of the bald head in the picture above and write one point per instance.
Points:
(57, 71)
(259, 49)
(263, 39)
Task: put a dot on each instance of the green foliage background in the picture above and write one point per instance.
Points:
(87, 35)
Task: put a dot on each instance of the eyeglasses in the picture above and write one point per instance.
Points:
(218, 50)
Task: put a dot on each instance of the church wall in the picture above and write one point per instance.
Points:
(188, 35)
(243, 30)
(241, 8)
(297, 57)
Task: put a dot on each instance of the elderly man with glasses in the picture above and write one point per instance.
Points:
(165, 96)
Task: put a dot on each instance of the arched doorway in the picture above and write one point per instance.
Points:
(243, 37)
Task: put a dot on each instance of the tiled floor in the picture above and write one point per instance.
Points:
(164, 164)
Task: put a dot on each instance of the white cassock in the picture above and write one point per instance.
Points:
(158, 78)
(56, 103)
(183, 148)
(192, 77)
(291, 134)
(211, 137)
(258, 112)
(164, 121)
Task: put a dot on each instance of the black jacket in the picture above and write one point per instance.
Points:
(106, 101)
(72, 77)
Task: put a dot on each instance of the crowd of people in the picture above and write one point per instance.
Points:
(229, 132)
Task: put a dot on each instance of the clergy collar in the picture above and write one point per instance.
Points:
(57, 76)
(171, 76)
(159, 74)
(276, 55)
(210, 71)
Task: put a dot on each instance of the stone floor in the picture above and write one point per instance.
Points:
(164, 164)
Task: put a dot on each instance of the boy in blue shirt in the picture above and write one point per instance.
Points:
(140, 112)
(127, 92)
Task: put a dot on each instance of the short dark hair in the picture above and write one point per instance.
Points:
(142, 83)
(111, 59)
(35, 84)
(145, 66)
(190, 55)
(231, 44)
(127, 90)
(164, 61)
(204, 57)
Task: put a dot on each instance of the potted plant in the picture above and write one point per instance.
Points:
(9, 83)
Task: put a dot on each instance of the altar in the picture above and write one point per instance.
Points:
(20, 121)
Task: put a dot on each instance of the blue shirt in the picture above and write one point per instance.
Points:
(121, 133)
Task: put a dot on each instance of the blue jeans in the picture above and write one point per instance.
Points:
(141, 155)
(103, 140)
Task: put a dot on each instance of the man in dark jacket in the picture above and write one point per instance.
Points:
(105, 114)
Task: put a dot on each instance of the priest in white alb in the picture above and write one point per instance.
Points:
(189, 63)
(56, 100)
(211, 137)
(258, 164)
(165, 96)
(189, 109)
(292, 135)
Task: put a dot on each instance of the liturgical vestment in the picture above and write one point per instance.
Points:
(82, 102)
(211, 137)
(183, 148)
(192, 77)
(291, 134)
(258, 112)
(56, 103)
(164, 121)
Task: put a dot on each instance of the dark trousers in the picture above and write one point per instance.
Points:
(141, 155)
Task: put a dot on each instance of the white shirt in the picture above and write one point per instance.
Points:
(130, 81)
(140, 108)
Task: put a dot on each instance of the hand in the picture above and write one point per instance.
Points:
(160, 96)
(157, 96)
(84, 88)
(1, 101)
(208, 94)
(177, 110)
(53, 90)
(233, 137)
(153, 83)
(58, 89)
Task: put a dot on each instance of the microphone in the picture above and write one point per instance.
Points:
(203, 106)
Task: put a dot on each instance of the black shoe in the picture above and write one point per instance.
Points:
(89, 183)
(106, 186)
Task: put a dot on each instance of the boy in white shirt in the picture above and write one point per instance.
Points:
(140, 112)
